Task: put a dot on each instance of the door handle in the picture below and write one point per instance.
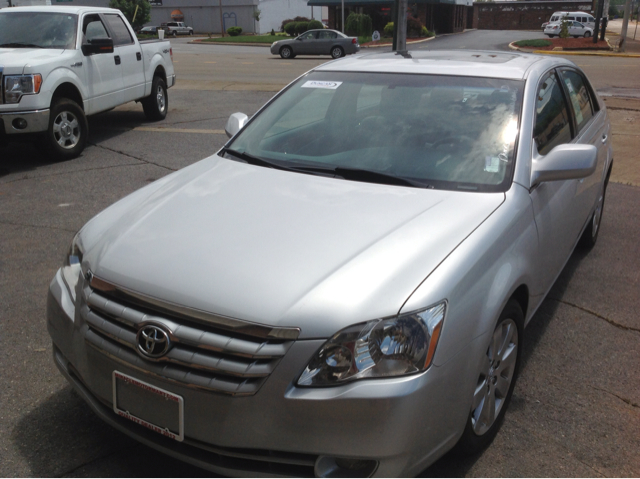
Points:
(139, 56)
(604, 138)
(117, 59)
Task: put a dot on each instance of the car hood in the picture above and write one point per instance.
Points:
(280, 248)
(16, 58)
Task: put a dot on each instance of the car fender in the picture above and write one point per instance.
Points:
(57, 77)
(481, 274)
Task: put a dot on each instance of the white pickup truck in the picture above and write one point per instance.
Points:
(59, 65)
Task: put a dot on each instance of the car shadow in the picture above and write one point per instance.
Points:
(26, 154)
(455, 464)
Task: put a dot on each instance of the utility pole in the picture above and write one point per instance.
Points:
(221, 19)
(598, 18)
(400, 25)
(342, 16)
(625, 25)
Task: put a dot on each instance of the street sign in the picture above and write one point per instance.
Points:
(376, 36)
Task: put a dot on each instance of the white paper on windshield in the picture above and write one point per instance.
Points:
(327, 85)
(492, 164)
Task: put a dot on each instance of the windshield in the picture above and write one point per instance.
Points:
(37, 30)
(436, 131)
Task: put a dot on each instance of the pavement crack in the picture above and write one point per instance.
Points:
(27, 225)
(623, 399)
(597, 315)
(134, 157)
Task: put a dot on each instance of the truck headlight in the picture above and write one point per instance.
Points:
(380, 348)
(72, 270)
(15, 86)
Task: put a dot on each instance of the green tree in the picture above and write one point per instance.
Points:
(564, 28)
(128, 8)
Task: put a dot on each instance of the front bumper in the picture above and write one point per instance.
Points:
(36, 121)
(403, 424)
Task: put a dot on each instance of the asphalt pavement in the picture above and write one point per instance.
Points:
(576, 407)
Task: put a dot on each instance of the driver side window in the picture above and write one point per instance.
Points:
(308, 36)
(93, 28)
(553, 124)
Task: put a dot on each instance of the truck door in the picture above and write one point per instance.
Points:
(103, 76)
(130, 55)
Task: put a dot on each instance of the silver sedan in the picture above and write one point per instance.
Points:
(317, 42)
(342, 290)
(574, 29)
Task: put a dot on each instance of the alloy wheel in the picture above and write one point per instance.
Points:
(66, 130)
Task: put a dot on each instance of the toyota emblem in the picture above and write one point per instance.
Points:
(153, 341)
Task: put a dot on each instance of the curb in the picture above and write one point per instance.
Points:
(574, 52)
(391, 44)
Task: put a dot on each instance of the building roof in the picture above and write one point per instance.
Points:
(362, 3)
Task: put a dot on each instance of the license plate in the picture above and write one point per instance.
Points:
(148, 405)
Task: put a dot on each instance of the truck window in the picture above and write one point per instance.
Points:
(93, 28)
(119, 29)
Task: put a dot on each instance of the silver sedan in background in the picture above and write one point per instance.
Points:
(317, 42)
(342, 290)
(575, 30)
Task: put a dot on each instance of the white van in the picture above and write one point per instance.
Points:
(583, 17)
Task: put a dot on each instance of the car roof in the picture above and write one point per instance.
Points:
(56, 9)
(508, 65)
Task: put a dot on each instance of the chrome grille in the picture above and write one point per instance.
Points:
(207, 356)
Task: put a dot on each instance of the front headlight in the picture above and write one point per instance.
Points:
(72, 270)
(376, 349)
(15, 86)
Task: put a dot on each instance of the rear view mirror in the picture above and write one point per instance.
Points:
(564, 162)
(97, 45)
(235, 123)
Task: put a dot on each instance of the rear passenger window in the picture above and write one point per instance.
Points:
(578, 96)
(120, 31)
(552, 117)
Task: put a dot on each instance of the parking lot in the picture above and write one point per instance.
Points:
(576, 408)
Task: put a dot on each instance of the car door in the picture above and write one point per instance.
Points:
(102, 74)
(553, 201)
(306, 44)
(592, 129)
(130, 56)
(324, 41)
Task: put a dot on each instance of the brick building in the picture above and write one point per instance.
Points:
(525, 15)
(441, 16)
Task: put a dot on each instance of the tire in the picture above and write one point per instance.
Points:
(497, 378)
(175, 34)
(66, 136)
(587, 34)
(286, 53)
(337, 52)
(575, 36)
(156, 105)
(190, 32)
(550, 36)
(590, 236)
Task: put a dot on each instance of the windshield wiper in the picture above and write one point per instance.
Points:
(19, 45)
(370, 176)
(254, 160)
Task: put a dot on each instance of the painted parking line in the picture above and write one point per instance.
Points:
(179, 130)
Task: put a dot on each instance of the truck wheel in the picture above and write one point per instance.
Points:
(175, 33)
(68, 130)
(155, 106)
(190, 32)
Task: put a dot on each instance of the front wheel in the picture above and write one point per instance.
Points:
(175, 33)
(68, 129)
(155, 106)
(286, 52)
(190, 32)
(587, 34)
(496, 380)
(550, 36)
(337, 52)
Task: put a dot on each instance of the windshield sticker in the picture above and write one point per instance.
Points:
(492, 164)
(327, 85)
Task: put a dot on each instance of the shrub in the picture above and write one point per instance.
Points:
(289, 20)
(302, 27)
(234, 31)
(533, 43)
(315, 25)
(414, 27)
(388, 29)
(358, 24)
(290, 28)
(273, 34)
(564, 29)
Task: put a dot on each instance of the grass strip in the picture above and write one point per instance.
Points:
(534, 43)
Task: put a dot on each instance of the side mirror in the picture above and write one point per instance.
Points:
(564, 162)
(299, 39)
(235, 123)
(97, 45)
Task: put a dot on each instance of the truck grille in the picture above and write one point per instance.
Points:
(230, 357)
